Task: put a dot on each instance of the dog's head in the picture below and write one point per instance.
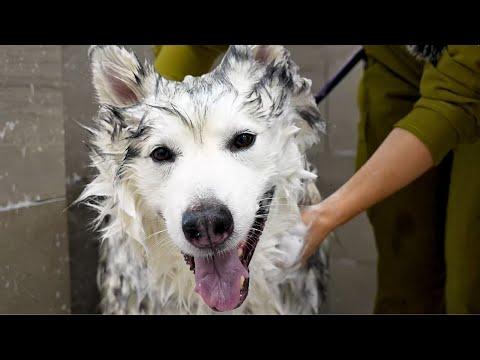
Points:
(204, 155)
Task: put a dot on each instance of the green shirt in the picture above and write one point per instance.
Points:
(448, 110)
(176, 61)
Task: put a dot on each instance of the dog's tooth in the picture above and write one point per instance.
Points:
(240, 251)
(242, 280)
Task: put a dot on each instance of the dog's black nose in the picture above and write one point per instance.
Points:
(207, 224)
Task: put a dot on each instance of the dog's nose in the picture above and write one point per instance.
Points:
(207, 224)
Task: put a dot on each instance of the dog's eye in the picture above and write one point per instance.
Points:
(162, 154)
(242, 141)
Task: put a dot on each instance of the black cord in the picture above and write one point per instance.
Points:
(344, 70)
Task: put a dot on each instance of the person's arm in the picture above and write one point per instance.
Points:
(447, 114)
(398, 161)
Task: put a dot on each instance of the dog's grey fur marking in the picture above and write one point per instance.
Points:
(311, 116)
(430, 53)
(114, 119)
(140, 74)
(172, 110)
(157, 84)
(131, 153)
(140, 132)
(125, 292)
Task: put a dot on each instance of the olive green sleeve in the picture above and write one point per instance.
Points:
(177, 61)
(448, 111)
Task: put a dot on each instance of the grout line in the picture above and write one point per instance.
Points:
(29, 203)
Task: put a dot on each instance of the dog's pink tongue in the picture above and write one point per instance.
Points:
(218, 280)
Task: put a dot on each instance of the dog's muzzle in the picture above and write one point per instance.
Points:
(222, 280)
(207, 224)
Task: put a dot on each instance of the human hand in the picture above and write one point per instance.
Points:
(319, 226)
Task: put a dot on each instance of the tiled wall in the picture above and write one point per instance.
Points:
(80, 108)
(44, 93)
(34, 270)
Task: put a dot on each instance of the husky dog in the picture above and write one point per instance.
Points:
(199, 186)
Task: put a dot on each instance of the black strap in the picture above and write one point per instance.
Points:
(344, 70)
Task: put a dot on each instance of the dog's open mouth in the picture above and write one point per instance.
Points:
(222, 280)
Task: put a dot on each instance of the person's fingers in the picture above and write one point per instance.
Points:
(317, 233)
(318, 230)
(309, 248)
(307, 218)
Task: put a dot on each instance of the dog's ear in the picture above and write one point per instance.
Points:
(118, 76)
(282, 76)
(263, 54)
(275, 78)
(270, 54)
(280, 65)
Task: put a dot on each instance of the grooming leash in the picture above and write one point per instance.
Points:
(340, 75)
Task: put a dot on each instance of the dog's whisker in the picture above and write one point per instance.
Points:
(155, 233)
(273, 205)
